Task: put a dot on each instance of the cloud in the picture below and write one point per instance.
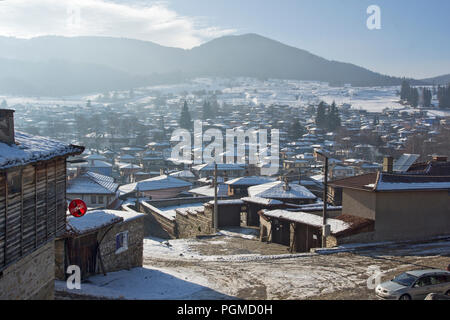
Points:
(154, 22)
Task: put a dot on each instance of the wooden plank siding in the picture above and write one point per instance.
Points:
(32, 208)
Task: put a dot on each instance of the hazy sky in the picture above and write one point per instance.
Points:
(413, 39)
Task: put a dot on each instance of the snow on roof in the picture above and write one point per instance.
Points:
(220, 166)
(276, 190)
(189, 210)
(129, 166)
(29, 149)
(249, 181)
(182, 174)
(262, 201)
(96, 164)
(390, 182)
(309, 219)
(157, 183)
(208, 191)
(92, 183)
(95, 156)
(127, 157)
(129, 215)
(93, 220)
(170, 213)
(228, 202)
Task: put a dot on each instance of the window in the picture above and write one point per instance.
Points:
(14, 181)
(93, 199)
(100, 199)
(423, 282)
(121, 242)
(442, 278)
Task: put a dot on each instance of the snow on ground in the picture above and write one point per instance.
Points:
(337, 274)
(143, 283)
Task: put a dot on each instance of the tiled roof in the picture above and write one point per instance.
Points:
(356, 182)
(92, 183)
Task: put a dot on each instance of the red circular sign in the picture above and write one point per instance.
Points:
(77, 208)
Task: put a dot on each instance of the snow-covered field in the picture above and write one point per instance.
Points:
(249, 91)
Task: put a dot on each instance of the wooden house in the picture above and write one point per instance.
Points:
(32, 209)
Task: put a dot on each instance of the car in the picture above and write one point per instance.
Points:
(415, 285)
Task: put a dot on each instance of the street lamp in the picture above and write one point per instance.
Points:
(321, 156)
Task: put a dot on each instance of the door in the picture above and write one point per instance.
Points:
(422, 288)
(82, 251)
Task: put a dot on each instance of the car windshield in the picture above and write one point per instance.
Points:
(405, 279)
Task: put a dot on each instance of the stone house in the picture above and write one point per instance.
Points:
(32, 210)
(302, 231)
(101, 241)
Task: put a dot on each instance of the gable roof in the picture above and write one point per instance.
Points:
(157, 183)
(310, 219)
(222, 190)
(249, 181)
(275, 190)
(30, 149)
(92, 183)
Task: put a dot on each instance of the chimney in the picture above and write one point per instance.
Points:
(7, 126)
(437, 158)
(286, 186)
(388, 164)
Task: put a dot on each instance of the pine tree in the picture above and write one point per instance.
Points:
(333, 118)
(443, 94)
(405, 90)
(296, 130)
(414, 97)
(321, 116)
(427, 96)
(185, 118)
(207, 112)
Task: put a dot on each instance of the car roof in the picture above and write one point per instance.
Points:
(419, 273)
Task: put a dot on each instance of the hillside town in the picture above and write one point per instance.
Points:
(362, 182)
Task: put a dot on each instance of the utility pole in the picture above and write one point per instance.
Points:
(325, 228)
(216, 214)
(325, 201)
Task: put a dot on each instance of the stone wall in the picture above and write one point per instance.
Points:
(60, 272)
(131, 258)
(31, 277)
(192, 225)
(157, 225)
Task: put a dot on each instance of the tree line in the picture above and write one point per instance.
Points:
(423, 96)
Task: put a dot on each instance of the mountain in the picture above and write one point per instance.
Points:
(54, 65)
(440, 80)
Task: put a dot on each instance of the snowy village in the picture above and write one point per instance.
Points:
(234, 167)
